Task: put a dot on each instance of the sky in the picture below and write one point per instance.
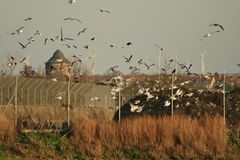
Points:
(173, 24)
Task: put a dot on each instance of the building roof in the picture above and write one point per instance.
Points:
(58, 57)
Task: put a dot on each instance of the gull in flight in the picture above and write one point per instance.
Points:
(47, 39)
(28, 19)
(129, 43)
(210, 34)
(18, 31)
(71, 46)
(149, 66)
(216, 25)
(24, 46)
(71, 1)
(140, 61)
(72, 19)
(128, 59)
(101, 10)
(113, 68)
(62, 38)
(82, 31)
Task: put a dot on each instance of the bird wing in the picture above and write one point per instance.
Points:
(146, 65)
(45, 41)
(70, 39)
(107, 11)
(221, 27)
(130, 57)
(152, 65)
(125, 58)
(62, 34)
(21, 45)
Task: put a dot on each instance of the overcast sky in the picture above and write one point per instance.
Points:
(175, 23)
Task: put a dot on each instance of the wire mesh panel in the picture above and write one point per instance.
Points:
(42, 92)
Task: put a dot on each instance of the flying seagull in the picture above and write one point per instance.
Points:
(115, 46)
(129, 43)
(24, 46)
(47, 39)
(72, 19)
(238, 65)
(28, 19)
(71, 46)
(82, 31)
(216, 25)
(128, 59)
(210, 34)
(140, 61)
(149, 66)
(18, 31)
(71, 1)
(101, 10)
(113, 68)
(62, 38)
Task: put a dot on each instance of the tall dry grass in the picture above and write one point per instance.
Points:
(180, 136)
(7, 130)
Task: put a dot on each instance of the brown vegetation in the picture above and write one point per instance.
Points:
(7, 130)
(180, 136)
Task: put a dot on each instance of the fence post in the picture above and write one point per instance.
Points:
(224, 98)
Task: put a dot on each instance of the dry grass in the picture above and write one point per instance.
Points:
(7, 130)
(43, 116)
(181, 136)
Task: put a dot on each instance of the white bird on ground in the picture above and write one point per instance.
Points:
(173, 97)
(179, 92)
(47, 39)
(188, 103)
(189, 94)
(95, 99)
(136, 102)
(149, 95)
(167, 103)
(135, 108)
(54, 79)
(58, 96)
(82, 31)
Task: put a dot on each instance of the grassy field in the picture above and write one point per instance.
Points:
(180, 137)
